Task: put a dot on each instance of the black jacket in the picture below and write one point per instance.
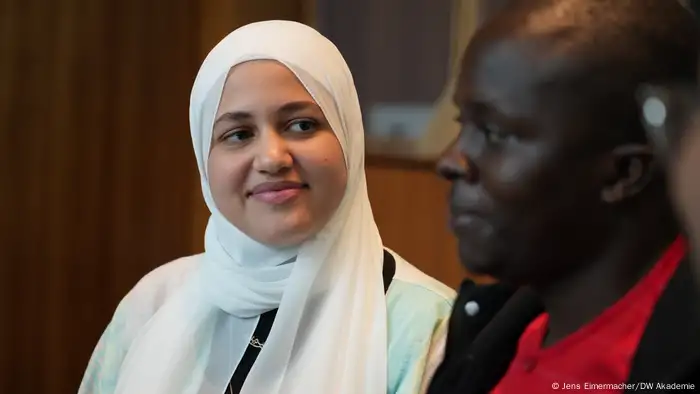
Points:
(481, 347)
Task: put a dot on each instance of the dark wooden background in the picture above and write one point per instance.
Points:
(99, 174)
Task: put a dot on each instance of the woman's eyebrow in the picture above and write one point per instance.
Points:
(237, 116)
(296, 106)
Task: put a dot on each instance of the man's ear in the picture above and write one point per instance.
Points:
(631, 169)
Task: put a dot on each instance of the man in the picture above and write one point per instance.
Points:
(557, 193)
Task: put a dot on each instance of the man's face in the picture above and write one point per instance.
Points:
(526, 177)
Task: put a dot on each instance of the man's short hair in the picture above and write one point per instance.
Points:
(620, 43)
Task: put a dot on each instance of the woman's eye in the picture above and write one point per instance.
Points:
(237, 136)
(302, 126)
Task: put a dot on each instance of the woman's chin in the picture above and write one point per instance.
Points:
(285, 234)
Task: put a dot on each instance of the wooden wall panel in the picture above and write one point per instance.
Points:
(97, 171)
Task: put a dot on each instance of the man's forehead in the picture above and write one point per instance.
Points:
(507, 71)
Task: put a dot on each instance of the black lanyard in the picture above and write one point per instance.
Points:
(262, 330)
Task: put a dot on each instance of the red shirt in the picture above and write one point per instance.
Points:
(597, 357)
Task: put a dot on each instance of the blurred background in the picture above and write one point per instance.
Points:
(99, 183)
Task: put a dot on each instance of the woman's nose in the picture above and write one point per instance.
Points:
(273, 154)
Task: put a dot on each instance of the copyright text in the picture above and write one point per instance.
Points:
(638, 386)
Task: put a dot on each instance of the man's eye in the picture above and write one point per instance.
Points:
(492, 133)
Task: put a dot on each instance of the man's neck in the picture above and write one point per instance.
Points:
(575, 301)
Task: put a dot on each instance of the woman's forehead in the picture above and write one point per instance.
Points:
(261, 85)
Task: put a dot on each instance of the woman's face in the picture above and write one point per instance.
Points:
(276, 169)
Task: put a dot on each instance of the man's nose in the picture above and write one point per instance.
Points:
(454, 164)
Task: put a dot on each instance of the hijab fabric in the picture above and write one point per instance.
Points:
(330, 332)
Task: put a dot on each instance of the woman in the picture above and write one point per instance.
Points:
(289, 296)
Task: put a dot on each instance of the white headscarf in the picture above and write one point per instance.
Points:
(329, 335)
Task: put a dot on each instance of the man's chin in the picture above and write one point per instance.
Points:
(478, 261)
